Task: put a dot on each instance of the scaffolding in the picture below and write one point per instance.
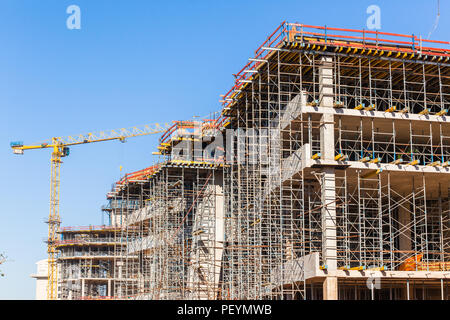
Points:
(86, 262)
(173, 233)
(173, 226)
(328, 163)
(341, 151)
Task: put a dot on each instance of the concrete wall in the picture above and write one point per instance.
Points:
(41, 277)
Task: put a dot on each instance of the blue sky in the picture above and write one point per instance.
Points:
(132, 63)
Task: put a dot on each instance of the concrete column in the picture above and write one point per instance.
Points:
(328, 183)
(326, 101)
(219, 230)
(328, 192)
(82, 288)
(326, 82)
(327, 137)
(330, 288)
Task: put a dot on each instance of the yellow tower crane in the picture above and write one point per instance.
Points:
(60, 148)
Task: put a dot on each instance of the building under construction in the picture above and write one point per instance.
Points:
(326, 175)
(90, 262)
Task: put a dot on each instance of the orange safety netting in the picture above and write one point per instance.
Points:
(410, 263)
(415, 263)
(433, 266)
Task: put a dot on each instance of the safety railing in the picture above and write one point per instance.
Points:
(323, 35)
(138, 175)
(87, 254)
(88, 228)
(243, 76)
(179, 125)
(87, 241)
(368, 39)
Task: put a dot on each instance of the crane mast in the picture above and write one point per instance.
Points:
(54, 222)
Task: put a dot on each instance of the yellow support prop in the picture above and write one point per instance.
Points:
(434, 164)
(372, 174)
(414, 163)
(397, 162)
(391, 109)
(376, 160)
(316, 156)
(364, 160)
(360, 106)
(424, 111)
(369, 108)
(338, 157)
(197, 232)
(344, 268)
(313, 103)
(446, 164)
(360, 268)
(442, 112)
(338, 104)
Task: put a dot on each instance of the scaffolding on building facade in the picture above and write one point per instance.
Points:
(328, 163)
